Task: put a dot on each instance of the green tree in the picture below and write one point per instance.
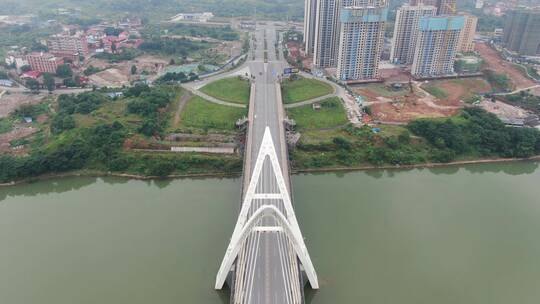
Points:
(32, 84)
(64, 71)
(404, 137)
(160, 168)
(26, 68)
(48, 81)
(62, 122)
(342, 143)
(133, 69)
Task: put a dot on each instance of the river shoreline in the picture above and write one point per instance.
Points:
(419, 166)
(97, 173)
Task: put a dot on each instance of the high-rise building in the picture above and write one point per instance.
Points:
(44, 62)
(436, 46)
(406, 31)
(522, 31)
(466, 36)
(326, 33)
(424, 2)
(310, 14)
(478, 4)
(68, 45)
(446, 7)
(361, 40)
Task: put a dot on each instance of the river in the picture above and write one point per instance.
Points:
(444, 235)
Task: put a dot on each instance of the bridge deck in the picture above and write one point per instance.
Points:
(266, 269)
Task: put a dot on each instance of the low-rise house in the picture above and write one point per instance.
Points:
(31, 75)
(6, 83)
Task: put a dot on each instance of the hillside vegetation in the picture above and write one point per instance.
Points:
(157, 9)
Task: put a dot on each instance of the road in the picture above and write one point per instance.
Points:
(267, 268)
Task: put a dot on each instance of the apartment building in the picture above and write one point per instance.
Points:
(444, 7)
(44, 62)
(310, 14)
(66, 45)
(436, 46)
(406, 31)
(466, 37)
(361, 40)
(522, 31)
(423, 2)
(326, 33)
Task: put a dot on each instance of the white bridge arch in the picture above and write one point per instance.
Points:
(286, 222)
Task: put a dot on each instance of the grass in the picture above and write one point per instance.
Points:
(382, 90)
(317, 137)
(202, 114)
(5, 125)
(304, 89)
(330, 115)
(108, 113)
(436, 91)
(233, 89)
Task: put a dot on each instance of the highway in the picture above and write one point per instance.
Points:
(267, 269)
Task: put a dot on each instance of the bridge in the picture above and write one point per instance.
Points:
(266, 260)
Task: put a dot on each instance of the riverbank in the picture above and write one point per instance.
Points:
(417, 166)
(97, 173)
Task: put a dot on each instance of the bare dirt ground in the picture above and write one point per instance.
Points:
(118, 74)
(391, 75)
(459, 90)
(502, 109)
(404, 110)
(10, 102)
(402, 106)
(18, 132)
(110, 78)
(97, 63)
(495, 62)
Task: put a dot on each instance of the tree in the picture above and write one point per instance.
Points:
(133, 69)
(160, 168)
(26, 68)
(62, 122)
(404, 137)
(111, 31)
(172, 62)
(70, 82)
(48, 81)
(64, 71)
(32, 84)
(342, 143)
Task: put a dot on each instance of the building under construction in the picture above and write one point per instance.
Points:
(361, 40)
(522, 31)
(436, 46)
(444, 7)
(406, 31)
